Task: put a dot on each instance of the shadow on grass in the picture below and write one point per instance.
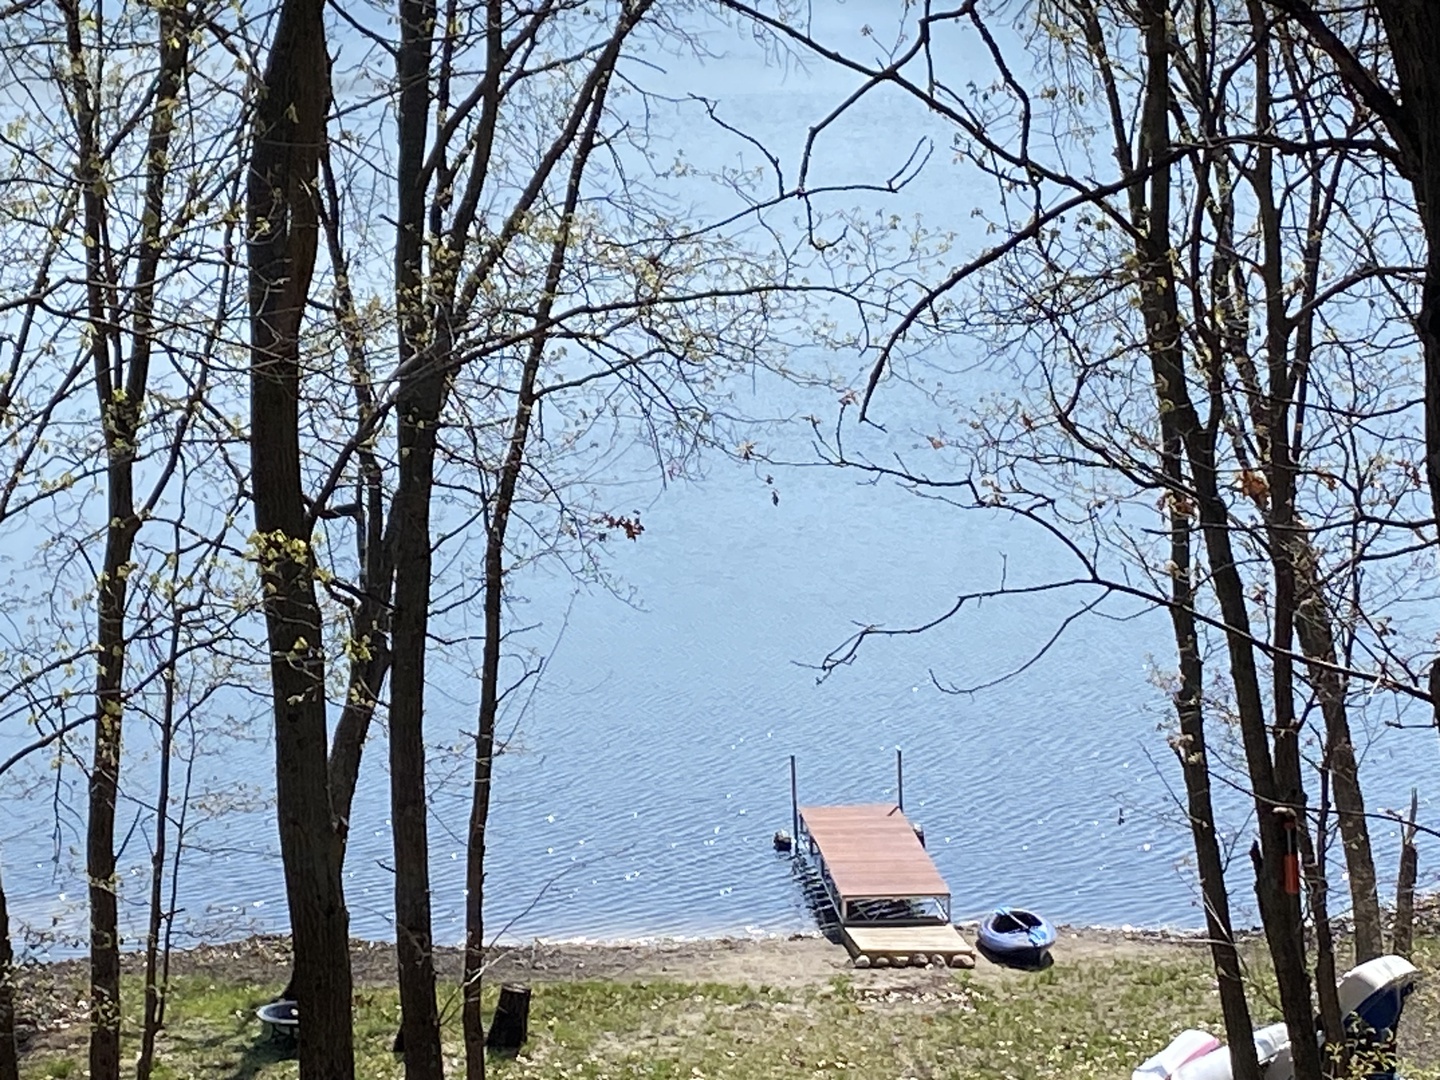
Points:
(1017, 961)
(233, 1051)
(259, 1053)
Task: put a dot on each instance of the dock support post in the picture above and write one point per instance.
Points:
(900, 779)
(794, 806)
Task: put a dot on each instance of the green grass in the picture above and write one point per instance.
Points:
(1094, 1019)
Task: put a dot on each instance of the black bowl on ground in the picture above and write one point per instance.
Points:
(280, 1019)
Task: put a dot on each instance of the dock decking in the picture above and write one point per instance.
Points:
(904, 945)
(892, 902)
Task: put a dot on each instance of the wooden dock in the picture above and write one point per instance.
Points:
(903, 946)
(892, 903)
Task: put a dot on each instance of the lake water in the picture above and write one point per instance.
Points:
(649, 768)
(650, 771)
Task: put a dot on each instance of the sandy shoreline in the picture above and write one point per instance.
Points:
(782, 960)
(55, 990)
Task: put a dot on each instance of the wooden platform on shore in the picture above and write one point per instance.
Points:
(901, 946)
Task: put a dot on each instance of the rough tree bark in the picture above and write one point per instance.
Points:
(281, 217)
(423, 361)
(118, 403)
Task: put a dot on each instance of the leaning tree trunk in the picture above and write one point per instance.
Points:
(281, 212)
(1289, 347)
(1195, 766)
(1280, 909)
(370, 621)
(1278, 883)
(1313, 628)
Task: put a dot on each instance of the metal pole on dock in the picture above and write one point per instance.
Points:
(794, 806)
(900, 779)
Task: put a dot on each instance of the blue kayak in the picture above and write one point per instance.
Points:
(1015, 935)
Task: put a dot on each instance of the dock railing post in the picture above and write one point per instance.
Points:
(900, 779)
(794, 806)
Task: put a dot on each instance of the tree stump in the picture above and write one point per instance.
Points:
(510, 1025)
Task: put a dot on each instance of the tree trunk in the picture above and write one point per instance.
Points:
(1332, 1025)
(154, 986)
(422, 361)
(153, 989)
(281, 218)
(1313, 627)
(118, 420)
(105, 777)
(1195, 766)
(173, 47)
(1280, 911)
(1159, 307)
(9, 1050)
(369, 648)
(1289, 345)
(472, 1019)
(1402, 937)
(1412, 32)
(1272, 414)
(1279, 888)
(1190, 748)
(370, 622)
(1412, 28)
(497, 526)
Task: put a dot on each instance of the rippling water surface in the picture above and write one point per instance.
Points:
(649, 768)
(639, 795)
